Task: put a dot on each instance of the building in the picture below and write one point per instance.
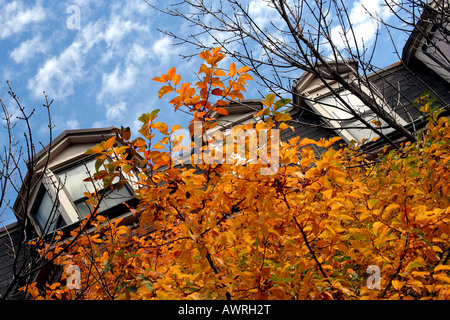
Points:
(52, 197)
(55, 190)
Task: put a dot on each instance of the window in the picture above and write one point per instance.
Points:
(72, 179)
(46, 212)
(331, 107)
(435, 51)
(439, 48)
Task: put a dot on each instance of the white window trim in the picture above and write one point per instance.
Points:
(346, 134)
(66, 208)
(433, 64)
(52, 184)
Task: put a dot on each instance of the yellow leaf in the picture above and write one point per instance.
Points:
(232, 71)
(441, 267)
(397, 284)
(243, 69)
(110, 142)
(442, 277)
(176, 127)
(391, 207)
(284, 126)
(415, 282)
(161, 127)
(164, 90)
(222, 111)
(327, 194)
(376, 226)
(371, 203)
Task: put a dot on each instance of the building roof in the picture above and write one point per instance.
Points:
(71, 137)
(55, 149)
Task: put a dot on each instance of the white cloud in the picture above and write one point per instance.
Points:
(116, 111)
(118, 81)
(15, 16)
(164, 49)
(71, 124)
(27, 49)
(138, 54)
(103, 40)
(364, 26)
(262, 12)
(58, 74)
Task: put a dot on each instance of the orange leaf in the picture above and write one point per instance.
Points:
(244, 77)
(159, 146)
(219, 73)
(235, 94)
(306, 141)
(243, 69)
(233, 71)
(110, 143)
(222, 110)
(164, 90)
(163, 78)
(176, 127)
(204, 54)
(215, 51)
(171, 73)
(217, 92)
(221, 103)
(331, 141)
(176, 79)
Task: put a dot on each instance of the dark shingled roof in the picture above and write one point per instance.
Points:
(8, 234)
(412, 82)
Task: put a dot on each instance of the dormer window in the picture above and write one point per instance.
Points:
(61, 200)
(315, 94)
(438, 48)
(47, 212)
(330, 107)
(72, 179)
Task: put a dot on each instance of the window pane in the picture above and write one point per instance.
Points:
(355, 127)
(48, 219)
(113, 198)
(440, 48)
(76, 187)
(74, 177)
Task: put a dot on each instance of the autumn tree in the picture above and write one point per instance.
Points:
(21, 176)
(316, 228)
(280, 38)
(17, 177)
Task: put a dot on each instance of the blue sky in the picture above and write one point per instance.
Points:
(98, 69)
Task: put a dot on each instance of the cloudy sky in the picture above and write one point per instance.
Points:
(96, 58)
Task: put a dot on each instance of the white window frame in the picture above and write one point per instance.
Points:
(349, 135)
(66, 208)
(430, 60)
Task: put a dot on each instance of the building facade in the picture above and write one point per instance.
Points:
(52, 196)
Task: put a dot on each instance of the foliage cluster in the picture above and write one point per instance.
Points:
(223, 231)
